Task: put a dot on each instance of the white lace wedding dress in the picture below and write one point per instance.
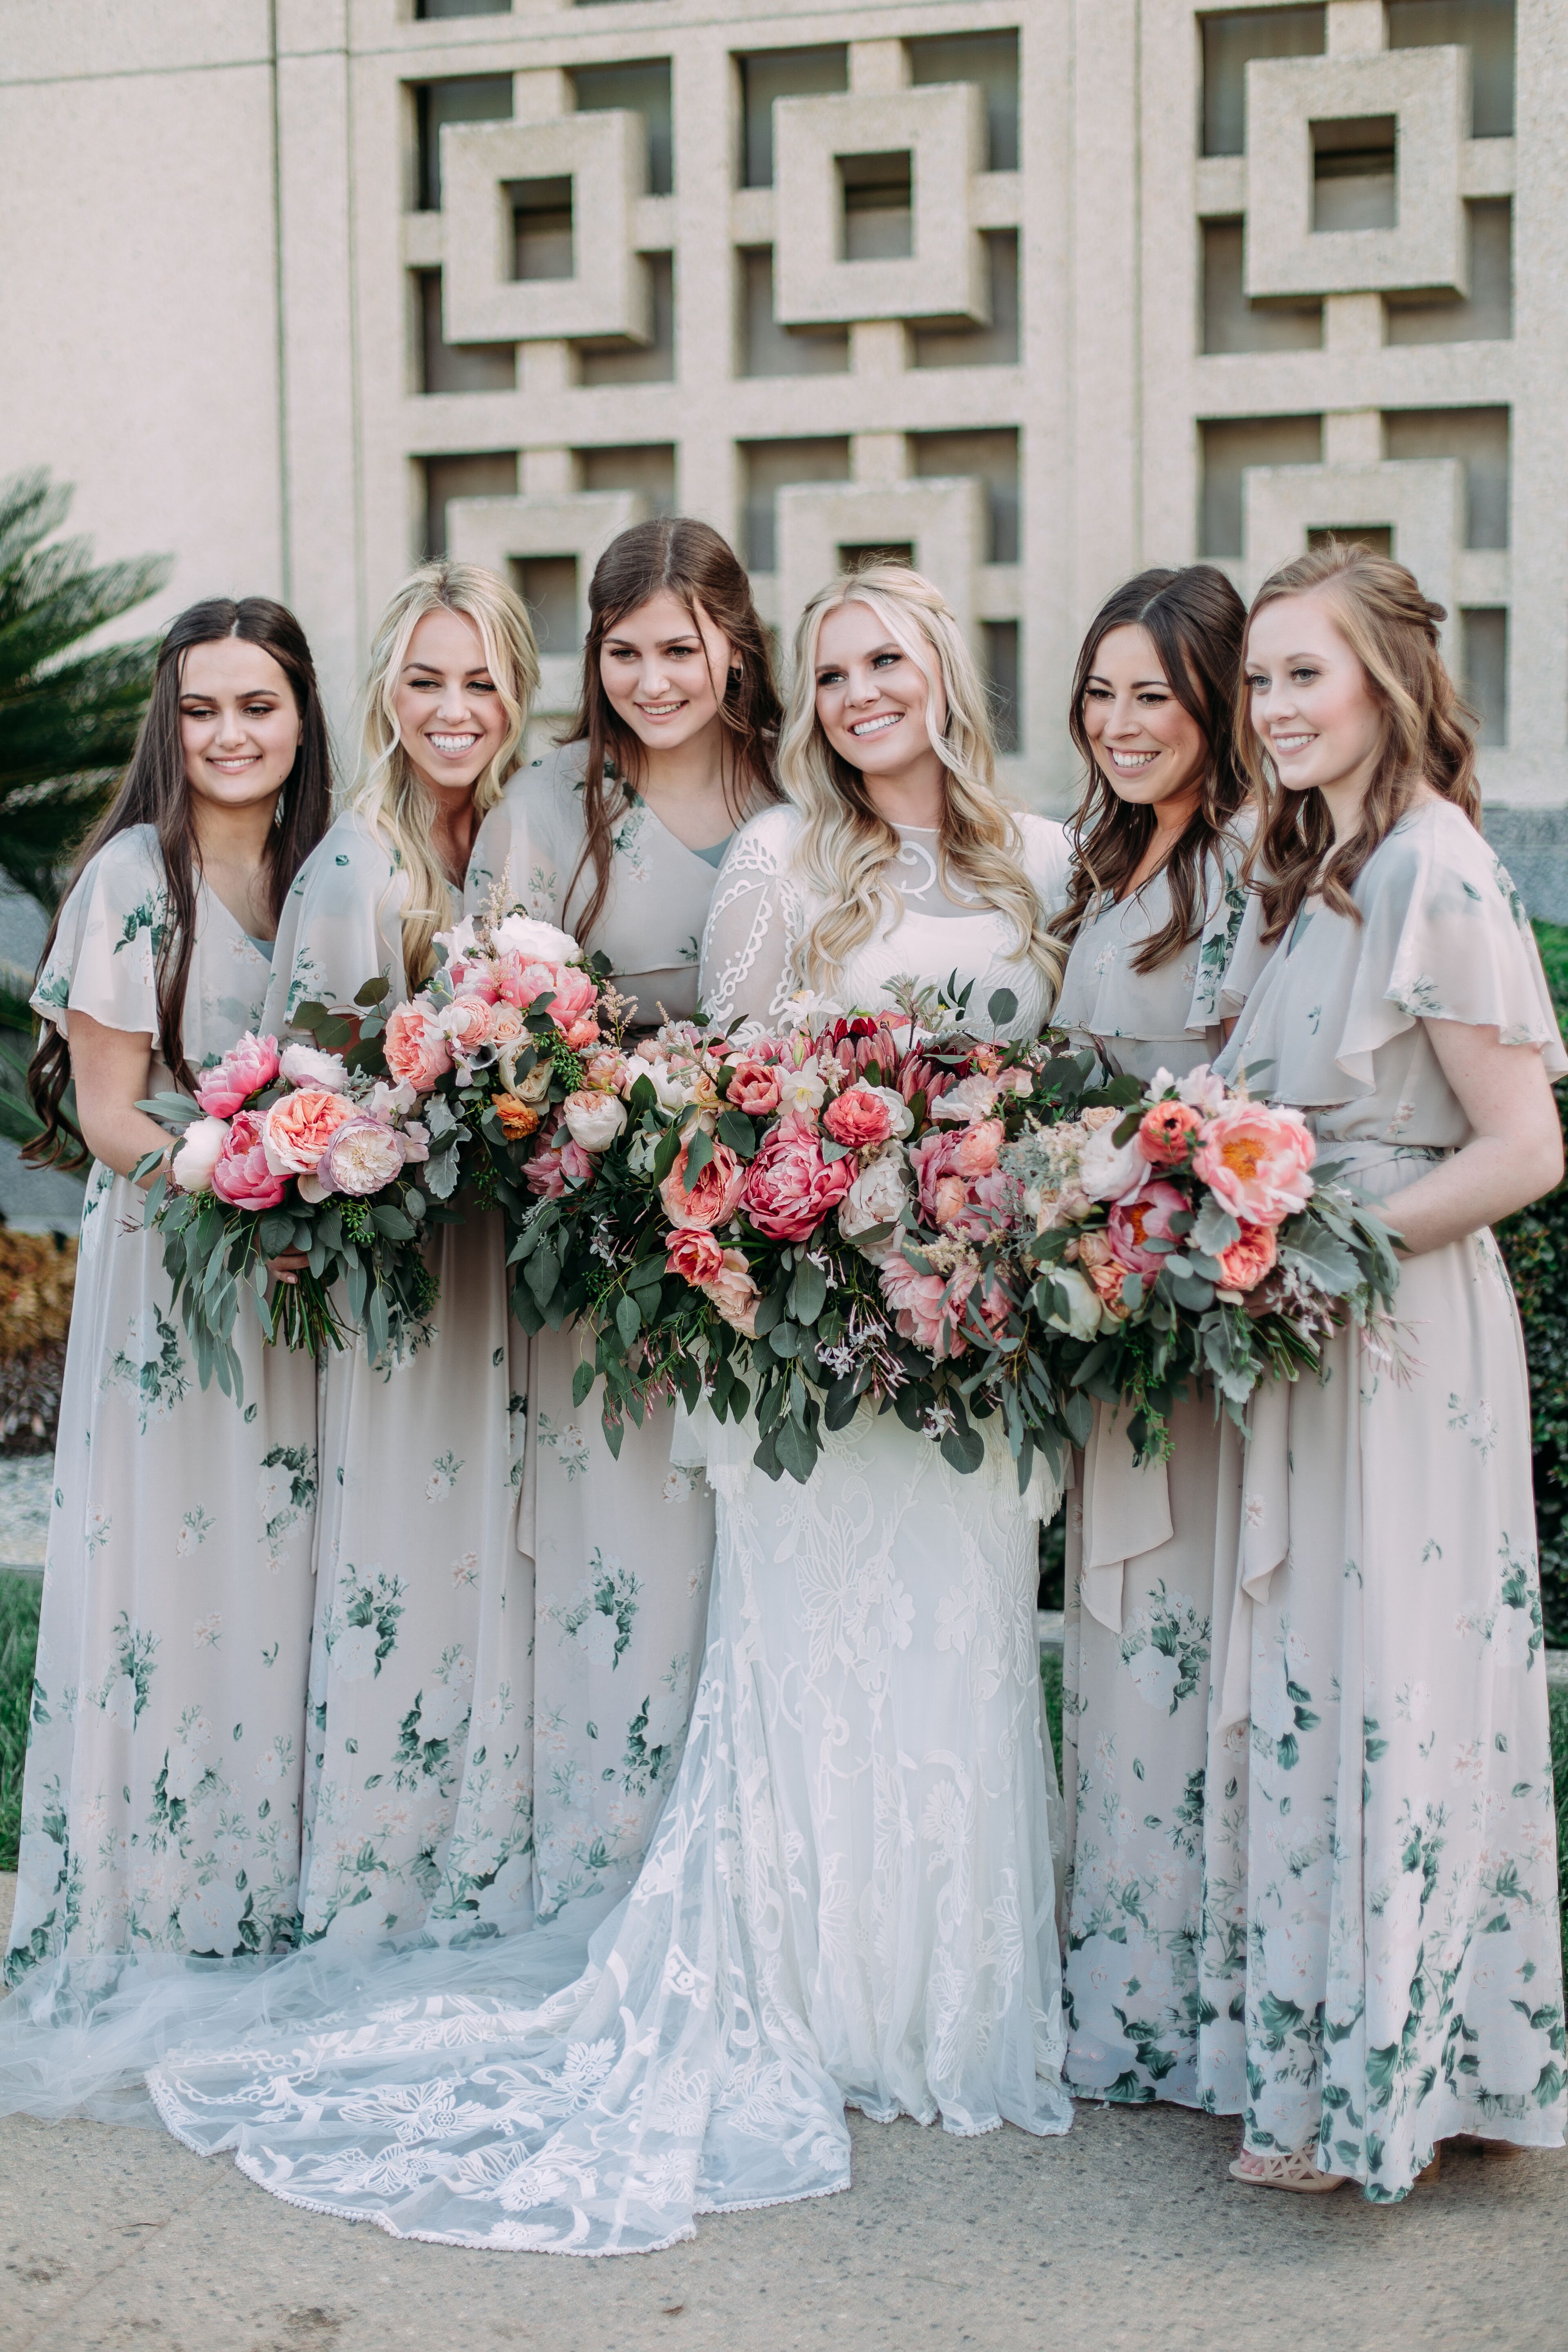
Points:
(850, 1897)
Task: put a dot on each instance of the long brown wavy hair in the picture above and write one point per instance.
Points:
(1427, 731)
(1196, 623)
(154, 791)
(690, 561)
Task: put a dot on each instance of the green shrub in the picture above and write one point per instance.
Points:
(1535, 1244)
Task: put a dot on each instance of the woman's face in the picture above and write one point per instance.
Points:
(239, 723)
(872, 700)
(666, 678)
(1309, 699)
(1145, 745)
(451, 720)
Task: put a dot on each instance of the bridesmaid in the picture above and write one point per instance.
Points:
(161, 1801)
(617, 836)
(1156, 900)
(1402, 1972)
(415, 1524)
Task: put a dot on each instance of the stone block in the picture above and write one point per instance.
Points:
(608, 294)
(941, 129)
(942, 521)
(1420, 501)
(501, 532)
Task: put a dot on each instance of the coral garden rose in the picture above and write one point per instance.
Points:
(979, 1149)
(1145, 1218)
(694, 1254)
(250, 1064)
(713, 1199)
(1165, 1133)
(1250, 1257)
(594, 1119)
(416, 1053)
(199, 1150)
(734, 1294)
(1254, 1157)
(241, 1175)
(789, 1188)
(364, 1156)
(859, 1117)
(298, 1127)
(755, 1087)
(309, 1065)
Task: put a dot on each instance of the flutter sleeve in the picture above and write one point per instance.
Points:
(103, 961)
(1251, 956)
(1224, 917)
(516, 860)
(1444, 937)
(755, 923)
(341, 925)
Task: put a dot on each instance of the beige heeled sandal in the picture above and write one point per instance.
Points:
(1297, 2171)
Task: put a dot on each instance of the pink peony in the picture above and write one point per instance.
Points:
(1249, 1257)
(250, 1064)
(1254, 1157)
(241, 1175)
(299, 1126)
(734, 1294)
(694, 1254)
(923, 1305)
(1165, 1134)
(859, 1119)
(789, 1188)
(416, 1053)
(1147, 1217)
(755, 1087)
(713, 1199)
(549, 1173)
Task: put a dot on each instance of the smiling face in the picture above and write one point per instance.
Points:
(451, 720)
(239, 723)
(661, 673)
(1310, 700)
(1148, 747)
(873, 699)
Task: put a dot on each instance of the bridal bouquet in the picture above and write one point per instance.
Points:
(1184, 1234)
(732, 1221)
(284, 1151)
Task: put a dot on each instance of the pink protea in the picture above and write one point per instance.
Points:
(1254, 1157)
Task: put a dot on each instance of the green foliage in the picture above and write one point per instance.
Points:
(1535, 1244)
(67, 716)
(19, 1600)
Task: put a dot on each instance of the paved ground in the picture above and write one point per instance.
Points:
(1127, 2234)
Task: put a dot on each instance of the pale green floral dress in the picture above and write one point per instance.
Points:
(1399, 1963)
(621, 1549)
(1140, 1578)
(160, 1802)
(417, 1789)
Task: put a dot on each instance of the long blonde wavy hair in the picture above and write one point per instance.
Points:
(846, 848)
(398, 806)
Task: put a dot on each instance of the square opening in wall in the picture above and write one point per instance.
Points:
(1230, 42)
(774, 466)
(992, 60)
(859, 555)
(1354, 181)
(465, 98)
(993, 456)
(766, 348)
(652, 362)
(1486, 28)
(642, 89)
(541, 227)
(548, 586)
(1377, 538)
(1478, 438)
(1232, 444)
(878, 207)
(457, 367)
(490, 473)
(780, 73)
(992, 346)
(1232, 322)
(1006, 685)
(1486, 313)
(1485, 630)
(647, 466)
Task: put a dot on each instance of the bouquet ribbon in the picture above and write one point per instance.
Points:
(1126, 1511)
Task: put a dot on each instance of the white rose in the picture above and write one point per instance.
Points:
(306, 1065)
(596, 1638)
(1106, 1169)
(1081, 1320)
(665, 1721)
(594, 1119)
(535, 1086)
(363, 1157)
(535, 943)
(973, 1098)
(669, 1093)
(120, 1707)
(877, 1197)
(353, 1652)
(199, 1153)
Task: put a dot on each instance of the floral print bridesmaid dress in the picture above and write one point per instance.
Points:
(1142, 1558)
(1400, 1966)
(161, 1796)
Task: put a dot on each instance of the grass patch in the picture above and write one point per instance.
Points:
(19, 1599)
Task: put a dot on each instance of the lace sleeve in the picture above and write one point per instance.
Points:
(754, 925)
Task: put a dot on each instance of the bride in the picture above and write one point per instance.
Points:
(850, 1897)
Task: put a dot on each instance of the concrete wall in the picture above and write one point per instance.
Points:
(220, 246)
